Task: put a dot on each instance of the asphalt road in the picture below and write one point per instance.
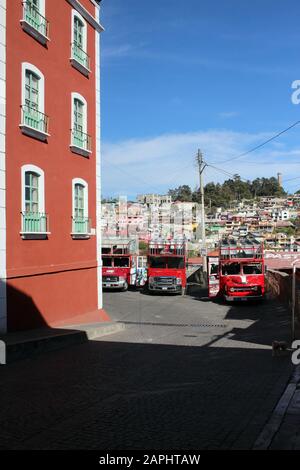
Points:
(185, 374)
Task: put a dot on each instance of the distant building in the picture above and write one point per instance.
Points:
(155, 199)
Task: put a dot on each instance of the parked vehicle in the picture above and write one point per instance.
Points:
(238, 272)
(119, 263)
(166, 263)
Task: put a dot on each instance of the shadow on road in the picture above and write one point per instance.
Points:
(124, 395)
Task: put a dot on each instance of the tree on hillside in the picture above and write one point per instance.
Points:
(217, 195)
(182, 193)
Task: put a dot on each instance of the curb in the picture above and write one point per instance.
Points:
(24, 345)
(265, 439)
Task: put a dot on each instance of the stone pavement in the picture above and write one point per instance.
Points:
(186, 373)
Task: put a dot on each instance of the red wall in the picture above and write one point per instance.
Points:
(67, 291)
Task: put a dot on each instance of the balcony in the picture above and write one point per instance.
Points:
(34, 123)
(80, 60)
(34, 23)
(80, 143)
(34, 225)
(81, 227)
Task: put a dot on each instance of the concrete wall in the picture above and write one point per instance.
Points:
(279, 286)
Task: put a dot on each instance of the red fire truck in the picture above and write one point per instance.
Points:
(119, 263)
(166, 262)
(237, 271)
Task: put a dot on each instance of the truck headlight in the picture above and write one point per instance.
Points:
(151, 280)
(231, 289)
(178, 281)
(121, 278)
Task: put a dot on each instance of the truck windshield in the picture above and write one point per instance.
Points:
(252, 269)
(175, 263)
(231, 269)
(157, 262)
(166, 262)
(121, 262)
(107, 262)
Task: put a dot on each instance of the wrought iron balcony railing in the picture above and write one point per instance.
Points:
(34, 222)
(33, 17)
(81, 225)
(81, 140)
(80, 55)
(33, 118)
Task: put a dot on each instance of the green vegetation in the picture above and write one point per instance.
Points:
(143, 247)
(221, 195)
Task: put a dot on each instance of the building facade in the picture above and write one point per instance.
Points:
(50, 246)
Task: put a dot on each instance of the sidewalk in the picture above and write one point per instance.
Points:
(29, 343)
(282, 431)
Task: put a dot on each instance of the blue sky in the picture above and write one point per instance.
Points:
(211, 74)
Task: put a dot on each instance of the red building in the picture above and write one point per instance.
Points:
(49, 163)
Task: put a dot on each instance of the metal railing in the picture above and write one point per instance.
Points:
(35, 19)
(80, 55)
(81, 225)
(34, 222)
(33, 118)
(166, 248)
(81, 139)
(241, 251)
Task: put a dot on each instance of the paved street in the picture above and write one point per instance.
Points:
(186, 373)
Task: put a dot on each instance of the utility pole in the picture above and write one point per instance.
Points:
(201, 166)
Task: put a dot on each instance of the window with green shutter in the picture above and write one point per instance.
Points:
(78, 32)
(78, 115)
(31, 192)
(33, 220)
(79, 45)
(78, 129)
(79, 201)
(32, 14)
(31, 90)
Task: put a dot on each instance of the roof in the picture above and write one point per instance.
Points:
(281, 259)
(195, 260)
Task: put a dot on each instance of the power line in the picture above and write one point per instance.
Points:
(291, 179)
(260, 145)
(227, 173)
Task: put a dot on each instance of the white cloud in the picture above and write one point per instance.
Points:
(123, 50)
(228, 115)
(159, 163)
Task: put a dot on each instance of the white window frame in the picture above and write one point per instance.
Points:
(85, 152)
(84, 36)
(77, 64)
(39, 134)
(40, 37)
(77, 96)
(41, 191)
(32, 68)
(85, 196)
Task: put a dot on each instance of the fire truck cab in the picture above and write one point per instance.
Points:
(239, 272)
(119, 263)
(166, 262)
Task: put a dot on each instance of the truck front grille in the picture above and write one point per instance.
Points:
(164, 280)
(110, 278)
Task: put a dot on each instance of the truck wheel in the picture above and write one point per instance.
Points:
(125, 287)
